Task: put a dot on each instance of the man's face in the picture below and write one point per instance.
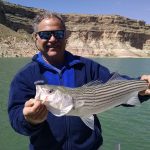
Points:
(52, 45)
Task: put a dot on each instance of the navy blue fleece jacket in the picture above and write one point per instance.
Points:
(56, 133)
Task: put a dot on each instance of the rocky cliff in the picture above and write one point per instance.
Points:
(88, 35)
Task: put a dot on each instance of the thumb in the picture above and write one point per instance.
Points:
(30, 103)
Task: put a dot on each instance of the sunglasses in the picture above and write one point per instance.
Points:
(46, 35)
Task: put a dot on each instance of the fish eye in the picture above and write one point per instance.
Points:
(51, 90)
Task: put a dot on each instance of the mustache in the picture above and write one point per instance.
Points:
(53, 46)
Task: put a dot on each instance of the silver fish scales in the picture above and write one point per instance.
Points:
(92, 98)
(101, 97)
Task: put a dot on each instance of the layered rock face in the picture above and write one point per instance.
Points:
(88, 35)
(104, 34)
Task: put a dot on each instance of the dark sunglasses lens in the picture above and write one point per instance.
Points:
(44, 35)
(59, 34)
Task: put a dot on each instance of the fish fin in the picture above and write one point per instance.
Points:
(133, 100)
(89, 121)
(116, 76)
(92, 83)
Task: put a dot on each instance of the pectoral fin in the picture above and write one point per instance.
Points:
(89, 121)
(133, 100)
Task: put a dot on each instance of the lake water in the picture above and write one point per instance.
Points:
(127, 127)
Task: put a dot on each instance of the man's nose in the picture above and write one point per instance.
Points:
(52, 38)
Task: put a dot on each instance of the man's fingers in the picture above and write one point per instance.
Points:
(147, 92)
(29, 103)
(42, 113)
(37, 105)
(32, 107)
(146, 78)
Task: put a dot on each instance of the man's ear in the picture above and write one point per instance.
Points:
(34, 36)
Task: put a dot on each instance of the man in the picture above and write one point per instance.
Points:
(54, 65)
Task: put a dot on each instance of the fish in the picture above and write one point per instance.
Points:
(91, 98)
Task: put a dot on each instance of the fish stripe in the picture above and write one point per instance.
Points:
(98, 97)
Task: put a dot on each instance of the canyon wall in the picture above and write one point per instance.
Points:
(88, 35)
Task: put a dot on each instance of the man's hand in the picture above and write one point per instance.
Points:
(147, 91)
(34, 111)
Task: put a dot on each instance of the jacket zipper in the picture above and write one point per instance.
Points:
(60, 78)
(68, 147)
(66, 118)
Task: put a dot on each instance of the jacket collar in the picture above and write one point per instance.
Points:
(71, 60)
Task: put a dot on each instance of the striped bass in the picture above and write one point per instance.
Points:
(92, 98)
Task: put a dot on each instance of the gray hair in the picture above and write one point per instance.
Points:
(46, 15)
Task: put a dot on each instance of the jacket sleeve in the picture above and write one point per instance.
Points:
(95, 71)
(21, 89)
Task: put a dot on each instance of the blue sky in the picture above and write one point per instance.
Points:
(134, 9)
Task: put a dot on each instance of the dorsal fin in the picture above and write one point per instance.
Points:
(92, 83)
(116, 76)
